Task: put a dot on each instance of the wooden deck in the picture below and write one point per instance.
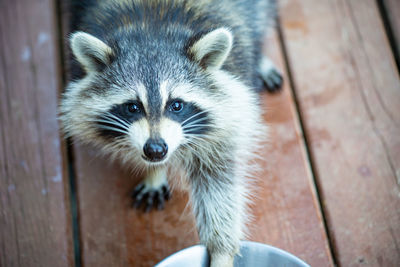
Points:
(329, 191)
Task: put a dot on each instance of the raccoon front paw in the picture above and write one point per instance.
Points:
(150, 197)
(271, 77)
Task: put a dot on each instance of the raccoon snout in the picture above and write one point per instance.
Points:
(155, 150)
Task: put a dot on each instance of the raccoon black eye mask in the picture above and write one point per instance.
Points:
(115, 122)
(175, 87)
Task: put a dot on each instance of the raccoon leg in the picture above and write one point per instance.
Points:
(270, 75)
(153, 191)
(218, 205)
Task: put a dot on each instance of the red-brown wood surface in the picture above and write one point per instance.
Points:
(349, 94)
(34, 203)
(286, 209)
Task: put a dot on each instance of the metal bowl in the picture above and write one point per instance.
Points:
(252, 254)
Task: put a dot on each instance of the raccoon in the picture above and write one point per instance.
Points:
(169, 84)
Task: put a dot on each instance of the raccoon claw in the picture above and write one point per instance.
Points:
(150, 197)
(273, 81)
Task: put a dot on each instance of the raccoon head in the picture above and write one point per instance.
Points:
(145, 98)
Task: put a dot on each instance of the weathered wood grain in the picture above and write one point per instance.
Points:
(34, 204)
(349, 94)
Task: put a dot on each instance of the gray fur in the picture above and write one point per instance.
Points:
(201, 53)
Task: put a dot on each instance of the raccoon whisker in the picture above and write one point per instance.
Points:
(195, 143)
(193, 134)
(195, 131)
(193, 116)
(195, 121)
(112, 129)
(189, 139)
(188, 126)
(112, 115)
(194, 147)
(199, 142)
(112, 123)
(116, 118)
(187, 145)
(197, 124)
(192, 131)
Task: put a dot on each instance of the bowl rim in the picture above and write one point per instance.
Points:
(201, 250)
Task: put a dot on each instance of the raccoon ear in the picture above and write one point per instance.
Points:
(212, 49)
(90, 51)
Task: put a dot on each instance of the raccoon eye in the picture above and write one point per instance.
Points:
(176, 106)
(133, 108)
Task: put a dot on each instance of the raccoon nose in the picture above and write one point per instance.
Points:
(155, 150)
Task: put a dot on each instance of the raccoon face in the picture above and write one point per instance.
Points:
(144, 105)
(153, 136)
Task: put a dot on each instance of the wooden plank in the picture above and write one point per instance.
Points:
(34, 205)
(286, 212)
(349, 94)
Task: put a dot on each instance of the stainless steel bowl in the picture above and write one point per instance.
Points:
(252, 254)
